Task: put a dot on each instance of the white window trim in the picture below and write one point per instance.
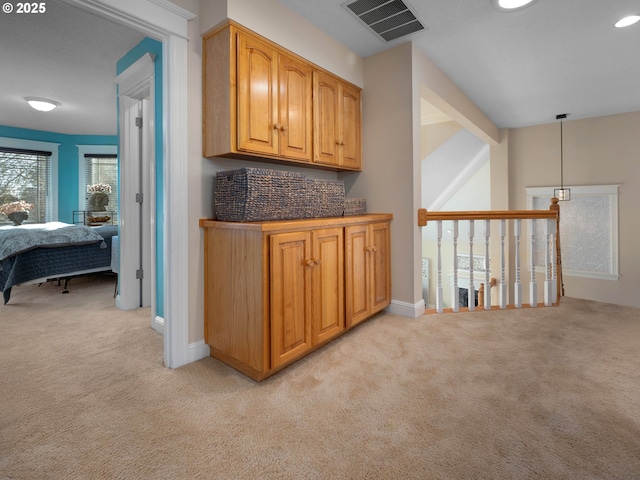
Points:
(611, 191)
(45, 147)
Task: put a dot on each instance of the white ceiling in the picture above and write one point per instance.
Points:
(522, 68)
(65, 54)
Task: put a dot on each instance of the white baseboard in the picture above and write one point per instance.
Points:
(198, 350)
(158, 325)
(405, 309)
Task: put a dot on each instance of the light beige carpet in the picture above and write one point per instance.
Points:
(547, 393)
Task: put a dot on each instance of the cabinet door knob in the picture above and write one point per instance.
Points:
(318, 261)
(309, 263)
(276, 126)
(283, 128)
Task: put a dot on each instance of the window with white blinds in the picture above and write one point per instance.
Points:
(25, 184)
(101, 176)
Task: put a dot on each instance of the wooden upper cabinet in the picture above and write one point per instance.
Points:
(295, 119)
(260, 101)
(350, 128)
(274, 101)
(337, 123)
(326, 98)
(257, 79)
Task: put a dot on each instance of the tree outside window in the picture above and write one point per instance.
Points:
(25, 176)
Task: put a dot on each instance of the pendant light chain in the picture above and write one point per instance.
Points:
(562, 193)
(561, 159)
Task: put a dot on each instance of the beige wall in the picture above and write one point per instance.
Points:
(286, 28)
(388, 147)
(435, 135)
(597, 151)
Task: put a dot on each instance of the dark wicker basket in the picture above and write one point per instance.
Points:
(256, 194)
(355, 206)
(325, 198)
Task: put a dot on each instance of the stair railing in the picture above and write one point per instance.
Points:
(553, 286)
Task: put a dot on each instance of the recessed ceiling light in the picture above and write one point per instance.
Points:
(41, 104)
(626, 21)
(511, 5)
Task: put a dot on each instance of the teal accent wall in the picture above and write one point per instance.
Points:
(68, 183)
(148, 45)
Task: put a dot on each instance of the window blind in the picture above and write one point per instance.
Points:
(25, 175)
(102, 169)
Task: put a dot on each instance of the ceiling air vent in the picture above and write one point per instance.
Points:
(389, 19)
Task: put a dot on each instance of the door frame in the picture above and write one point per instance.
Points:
(135, 85)
(166, 22)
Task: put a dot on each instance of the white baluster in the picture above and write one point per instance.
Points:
(503, 280)
(549, 286)
(533, 286)
(517, 286)
(472, 291)
(487, 272)
(455, 292)
(439, 286)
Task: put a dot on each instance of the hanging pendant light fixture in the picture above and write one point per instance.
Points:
(562, 194)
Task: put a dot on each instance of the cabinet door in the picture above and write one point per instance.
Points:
(257, 113)
(326, 100)
(290, 282)
(379, 252)
(328, 283)
(368, 288)
(295, 118)
(357, 274)
(349, 137)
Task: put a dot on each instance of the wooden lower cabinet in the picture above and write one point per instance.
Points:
(368, 256)
(307, 300)
(275, 291)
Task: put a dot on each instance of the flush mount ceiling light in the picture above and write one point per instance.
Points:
(511, 5)
(626, 21)
(41, 104)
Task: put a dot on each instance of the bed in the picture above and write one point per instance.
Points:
(35, 253)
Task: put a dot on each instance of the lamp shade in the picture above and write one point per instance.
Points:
(562, 194)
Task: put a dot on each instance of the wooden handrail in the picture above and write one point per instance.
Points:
(553, 212)
(424, 216)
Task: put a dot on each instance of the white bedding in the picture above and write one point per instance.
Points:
(14, 240)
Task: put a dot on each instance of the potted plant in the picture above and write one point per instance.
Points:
(17, 211)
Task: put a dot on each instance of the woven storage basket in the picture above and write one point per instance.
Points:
(257, 194)
(325, 198)
(355, 206)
